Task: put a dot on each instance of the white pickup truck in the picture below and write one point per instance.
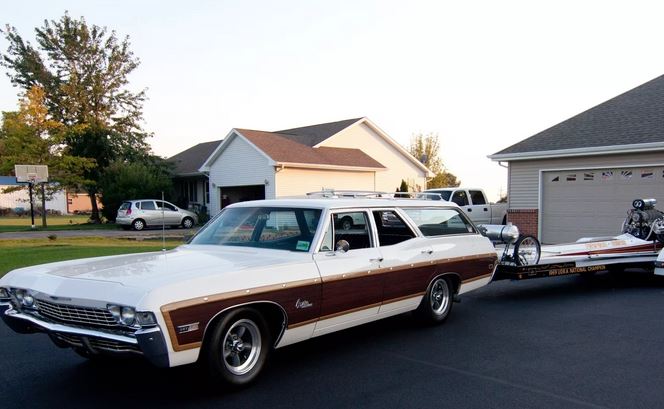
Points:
(473, 202)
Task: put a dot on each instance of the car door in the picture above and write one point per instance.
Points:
(351, 287)
(460, 197)
(481, 211)
(149, 212)
(406, 264)
(170, 212)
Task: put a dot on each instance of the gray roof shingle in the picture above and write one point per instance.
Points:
(189, 161)
(635, 117)
(312, 135)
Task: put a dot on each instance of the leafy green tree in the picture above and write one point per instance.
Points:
(134, 180)
(83, 70)
(426, 149)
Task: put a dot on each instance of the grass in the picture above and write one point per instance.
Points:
(54, 223)
(29, 252)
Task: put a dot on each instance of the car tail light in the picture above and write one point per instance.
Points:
(129, 211)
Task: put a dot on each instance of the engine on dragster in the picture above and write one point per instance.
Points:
(644, 221)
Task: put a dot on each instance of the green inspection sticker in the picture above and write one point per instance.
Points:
(302, 245)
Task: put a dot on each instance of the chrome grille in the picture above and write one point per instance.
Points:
(97, 343)
(76, 315)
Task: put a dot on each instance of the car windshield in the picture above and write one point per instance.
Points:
(435, 195)
(278, 228)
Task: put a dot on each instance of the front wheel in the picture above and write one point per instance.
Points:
(188, 223)
(437, 303)
(238, 347)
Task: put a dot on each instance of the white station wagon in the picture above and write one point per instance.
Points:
(260, 275)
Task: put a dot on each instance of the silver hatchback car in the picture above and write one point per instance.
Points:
(139, 214)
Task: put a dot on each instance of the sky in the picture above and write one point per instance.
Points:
(482, 75)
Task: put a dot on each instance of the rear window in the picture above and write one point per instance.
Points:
(440, 222)
(125, 206)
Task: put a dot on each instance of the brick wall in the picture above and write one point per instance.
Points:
(525, 220)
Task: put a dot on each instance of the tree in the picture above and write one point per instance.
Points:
(134, 180)
(83, 71)
(425, 148)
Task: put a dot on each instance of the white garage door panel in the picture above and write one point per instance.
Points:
(594, 202)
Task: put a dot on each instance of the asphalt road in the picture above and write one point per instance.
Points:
(564, 342)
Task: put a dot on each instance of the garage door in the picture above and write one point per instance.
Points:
(594, 202)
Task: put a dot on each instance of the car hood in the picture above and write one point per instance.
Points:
(148, 271)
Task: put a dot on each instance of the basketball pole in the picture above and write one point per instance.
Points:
(43, 186)
(32, 206)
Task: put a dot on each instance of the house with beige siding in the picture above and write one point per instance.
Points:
(352, 154)
(579, 177)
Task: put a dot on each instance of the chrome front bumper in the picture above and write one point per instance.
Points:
(148, 342)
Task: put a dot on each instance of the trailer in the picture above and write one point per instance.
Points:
(585, 256)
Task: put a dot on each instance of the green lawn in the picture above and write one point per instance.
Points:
(23, 253)
(54, 223)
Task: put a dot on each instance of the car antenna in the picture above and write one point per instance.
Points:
(163, 224)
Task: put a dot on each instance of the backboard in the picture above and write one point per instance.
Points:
(31, 173)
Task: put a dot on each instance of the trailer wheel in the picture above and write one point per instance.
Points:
(527, 251)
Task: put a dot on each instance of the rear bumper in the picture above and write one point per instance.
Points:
(148, 342)
(125, 221)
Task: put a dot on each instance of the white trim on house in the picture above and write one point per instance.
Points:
(227, 140)
(282, 165)
(595, 150)
(389, 140)
(540, 188)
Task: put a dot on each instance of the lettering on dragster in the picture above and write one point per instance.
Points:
(304, 302)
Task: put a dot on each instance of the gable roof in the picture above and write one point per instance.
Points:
(190, 160)
(312, 135)
(282, 149)
(632, 121)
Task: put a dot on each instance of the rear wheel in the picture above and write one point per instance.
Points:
(437, 303)
(238, 347)
(138, 224)
(527, 251)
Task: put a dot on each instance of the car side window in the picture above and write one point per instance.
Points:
(459, 197)
(167, 206)
(440, 222)
(147, 205)
(352, 227)
(391, 228)
(477, 197)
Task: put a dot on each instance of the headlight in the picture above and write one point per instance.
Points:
(127, 316)
(4, 293)
(145, 319)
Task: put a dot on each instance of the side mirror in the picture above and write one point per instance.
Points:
(342, 246)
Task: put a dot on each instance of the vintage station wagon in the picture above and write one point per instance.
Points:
(260, 275)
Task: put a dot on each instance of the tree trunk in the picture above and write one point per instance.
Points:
(94, 217)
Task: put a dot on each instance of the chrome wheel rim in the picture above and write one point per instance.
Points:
(440, 296)
(528, 253)
(188, 223)
(138, 225)
(241, 347)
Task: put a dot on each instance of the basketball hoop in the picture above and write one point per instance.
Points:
(32, 178)
(32, 174)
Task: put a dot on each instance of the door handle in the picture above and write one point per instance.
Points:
(470, 210)
(486, 210)
(427, 252)
(376, 260)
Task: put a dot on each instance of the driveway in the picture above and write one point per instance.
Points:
(564, 342)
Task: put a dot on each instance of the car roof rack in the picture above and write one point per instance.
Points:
(369, 194)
